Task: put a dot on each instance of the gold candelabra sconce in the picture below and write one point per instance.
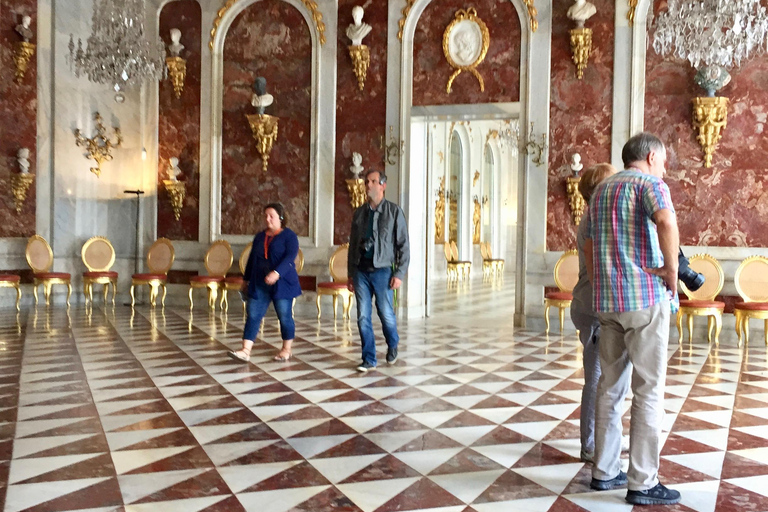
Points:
(575, 199)
(361, 59)
(177, 191)
(99, 147)
(20, 183)
(264, 128)
(393, 148)
(581, 48)
(177, 72)
(536, 146)
(710, 117)
(22, 54)
(440, 212)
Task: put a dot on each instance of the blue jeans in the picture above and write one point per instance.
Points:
(367, 286)
(256, 309)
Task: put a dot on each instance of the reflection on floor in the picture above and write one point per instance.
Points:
(144, 413)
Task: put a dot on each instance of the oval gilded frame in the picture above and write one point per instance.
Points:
(466, 15)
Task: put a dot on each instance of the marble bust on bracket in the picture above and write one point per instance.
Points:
(173, 169)
(581, 11)
(24, 30)
(175, 47)
(260, 98)
(22, 158)
(358, 30)
(356, 168)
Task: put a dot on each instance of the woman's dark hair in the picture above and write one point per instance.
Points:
(279, 209)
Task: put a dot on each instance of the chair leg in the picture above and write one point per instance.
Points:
(718, 327)
(765, 331)
(34, 292)
(47, 292)
(349, 305)
(546, 318)
(90, 293)
(317, 303)
(745, 328)
(153, 290)
(69, 292)
(165, 290)
(690, 328)
(710, 322)
(18, 298)
(133, 296)
(224, 304)
(213, 292)
(335, 303)
(106, 293)
(561, 314)
(114, 291)
(191, 304)
(679, 322)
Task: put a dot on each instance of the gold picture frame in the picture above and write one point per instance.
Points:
(465, 45)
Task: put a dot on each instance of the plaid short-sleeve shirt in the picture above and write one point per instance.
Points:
(625, 240)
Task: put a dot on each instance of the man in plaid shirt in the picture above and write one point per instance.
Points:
(631, 256)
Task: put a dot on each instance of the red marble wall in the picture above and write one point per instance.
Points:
(500, 69)
(580, 113)
(269, 39)
(727, 204)
(18, 119)
(360, 115)
(179, 123)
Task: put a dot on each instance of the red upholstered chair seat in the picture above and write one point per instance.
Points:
(150, 277)
(52, 275)
(702, 304)
(559, 296)
(206, 279)
(752, 306)
(234, 280)
(9, 278)
(337, 285)
(95, 275)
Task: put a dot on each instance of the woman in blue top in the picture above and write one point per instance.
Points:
(271, 276)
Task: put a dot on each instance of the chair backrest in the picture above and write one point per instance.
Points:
(338, 264)
(454, 251)
(218, 258)
(98, 254)
(714, 277)
(567, 271)
(447, 252)
(160, 256)
(243, 261)
(39, 254)
(751, 279)
(299, 261)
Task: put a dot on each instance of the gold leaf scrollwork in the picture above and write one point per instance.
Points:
(264, 129)
(710, 117)
(22, 53)
(357, 195)
(533, 14)
(462, 16)
(217, 21)
(20, 183)
(406, 11)
(575, 199)
(631, 12)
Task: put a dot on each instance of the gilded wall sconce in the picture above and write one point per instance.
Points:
(263, 126)
(536, 147)
(575, 199)
(440, 213)
(21, 181)
(356, 184)
(475, 178)
(99, 147)
(176, 188)
(465, 44)
(393, 148)
(360, 54)
(477, 216)
(177, 66)
(23, 50)
(581, 37)
(710, 113)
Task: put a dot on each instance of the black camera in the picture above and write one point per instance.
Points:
(366, 245)
(690, 278)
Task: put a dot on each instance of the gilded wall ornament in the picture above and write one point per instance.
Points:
(710, 117)
(532, 15)
(99, 147)
(631, 13)
(465, 44)
(406, 11)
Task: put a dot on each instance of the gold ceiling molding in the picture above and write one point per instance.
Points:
(317, 16)
(532, 14)
(631, 12)
(406, 10)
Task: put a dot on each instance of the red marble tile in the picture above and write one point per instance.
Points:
(209, 483)
(435, 405)
(565, 430)
(671, 473)
(195, 458)
(231, 504)
(312, 412)
(731, 498)
(530, 415)
(97, 467)
(386, 468)
(466, 419)
(351, 396)
(677, 445)
(684, 423)
(374, 409)
(741, 441)
(103, 494)
(551, 399)
(301, 475)
(519, 387)
(331, 500)
(85, 426)
(544, 455)
(431, 440)
(260, 432)
(421, 495)
(580, 483)
(358, 445)
(399, 424)
(466, 461)
(511, 486)
(698, 406)
(329, 428)
(170, 420)
(276, 452)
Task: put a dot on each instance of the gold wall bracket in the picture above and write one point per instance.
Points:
(361, 59)
(575, 199)
(20, 183)
(581, 48)
(536, 147)
(264, 128)
(440, 213)
(392, 149)
(356, 187)
(23, 52)
(177, 190)
(99, 147)
(177, 71)
(710, 117)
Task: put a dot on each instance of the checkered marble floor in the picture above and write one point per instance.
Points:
(143, 412)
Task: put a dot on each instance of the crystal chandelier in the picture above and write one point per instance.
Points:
(712, 32)
(118, 52)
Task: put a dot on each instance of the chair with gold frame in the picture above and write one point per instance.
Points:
(702, 302)
(40, 260)
(457, 270)
(338, 286)
(98, 256)
(491, 267)
(12, 281)
(218, 261)
(751, 281)
(236, 282)
(566, 277)
(160, 258)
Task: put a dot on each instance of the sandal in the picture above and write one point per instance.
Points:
(240, 355)
(283, 356)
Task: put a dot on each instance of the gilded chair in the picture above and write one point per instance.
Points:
(566, 277)
(160, 258)
(236, 282)
(98, 256)
(491, 267)
(12, 281)
(218, 261)
(751, 281)
(338, 286)
(40, 260)
(702, 302)
(456, 269)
